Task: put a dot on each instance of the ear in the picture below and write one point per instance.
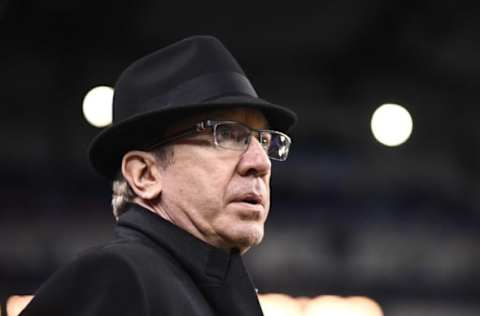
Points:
(142, 173)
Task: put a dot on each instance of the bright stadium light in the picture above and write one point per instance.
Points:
(342, 306)
(280, 305)
(97, 106)
(16, 303)
(391, 124)
(277, 304)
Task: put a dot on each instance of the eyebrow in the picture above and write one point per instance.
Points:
(263, 123)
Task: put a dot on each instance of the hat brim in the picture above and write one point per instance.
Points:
(109, 146)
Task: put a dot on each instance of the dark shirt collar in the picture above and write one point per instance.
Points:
(205, 261)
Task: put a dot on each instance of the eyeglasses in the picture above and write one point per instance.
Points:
(237, 136)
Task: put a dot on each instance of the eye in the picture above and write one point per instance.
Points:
(232, 135)
(265, 140)
(225, 132)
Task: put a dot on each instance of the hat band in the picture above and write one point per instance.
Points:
(201, 89)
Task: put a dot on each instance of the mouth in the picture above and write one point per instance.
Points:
(250, 207)
(251, 202)
(250, 198)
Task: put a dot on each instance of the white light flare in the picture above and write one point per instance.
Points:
(391, 124)
(97, 106)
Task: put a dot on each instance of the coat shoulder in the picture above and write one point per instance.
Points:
(168, 286)
(96, 283)
(143, 259)
(124, 277)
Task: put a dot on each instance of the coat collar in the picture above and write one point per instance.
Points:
(220, 274)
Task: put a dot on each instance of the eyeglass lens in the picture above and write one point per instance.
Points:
(237, 137)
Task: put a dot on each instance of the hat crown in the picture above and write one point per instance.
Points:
(154, 80)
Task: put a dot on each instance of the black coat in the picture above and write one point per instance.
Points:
(152, 268)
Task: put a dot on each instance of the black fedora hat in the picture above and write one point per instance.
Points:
(194, 74)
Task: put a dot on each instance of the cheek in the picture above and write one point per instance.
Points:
(202, 183)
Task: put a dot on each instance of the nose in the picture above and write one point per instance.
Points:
(254, 161)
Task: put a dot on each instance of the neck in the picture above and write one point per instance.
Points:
(160, 211)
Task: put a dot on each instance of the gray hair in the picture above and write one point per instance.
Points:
(122, 193)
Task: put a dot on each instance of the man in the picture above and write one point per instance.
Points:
(189, 154)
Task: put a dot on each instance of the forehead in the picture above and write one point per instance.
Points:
(250, 117)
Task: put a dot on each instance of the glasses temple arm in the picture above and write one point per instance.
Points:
(173, 137)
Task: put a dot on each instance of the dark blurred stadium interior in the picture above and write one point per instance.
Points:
(349, 216)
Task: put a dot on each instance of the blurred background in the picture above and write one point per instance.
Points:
(350, 216)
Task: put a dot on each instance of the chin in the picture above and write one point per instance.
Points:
(246, 239)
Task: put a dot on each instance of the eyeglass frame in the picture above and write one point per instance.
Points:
(204, 125)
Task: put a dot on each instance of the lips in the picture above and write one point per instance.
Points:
(249, 206)
(249, 198)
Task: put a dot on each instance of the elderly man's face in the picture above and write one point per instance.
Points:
(219, 195)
